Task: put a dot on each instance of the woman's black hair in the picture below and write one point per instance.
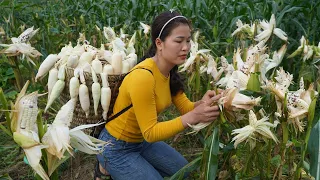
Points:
(176, 81)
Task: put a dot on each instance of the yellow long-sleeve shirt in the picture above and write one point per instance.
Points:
(149, 94)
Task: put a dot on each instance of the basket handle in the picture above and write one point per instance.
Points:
(128, 107)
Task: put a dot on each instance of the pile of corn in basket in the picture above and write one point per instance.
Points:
(91, 75)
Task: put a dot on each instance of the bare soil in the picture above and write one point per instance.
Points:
(81, 166)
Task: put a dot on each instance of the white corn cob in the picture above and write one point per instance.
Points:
(108, 69)
(116, 63)
(46, 65)
(132, 61)
(74, 87)
(86, 67)
(107, 56)
(56, 91)
(84, 95)
(105, 95)
(28, 111)
(67, 49)
(52, 79)
(96, 65)
(73, 60)
(81, 75)
(78, 50)
(84, 98)
(62, 72)
(125, 67)
(85, 57)
(64, 58)
(96, 92)
(65, 114)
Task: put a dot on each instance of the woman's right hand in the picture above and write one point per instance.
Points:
(204, 112)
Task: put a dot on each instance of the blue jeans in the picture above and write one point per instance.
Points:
(135, 161)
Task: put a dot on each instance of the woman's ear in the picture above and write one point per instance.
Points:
(158, 43)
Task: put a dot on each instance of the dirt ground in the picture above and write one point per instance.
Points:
(81, 167)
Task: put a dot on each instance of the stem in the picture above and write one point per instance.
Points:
(249, 160)
(209, 85)
(285, 137)
(269, 157)
(291, 161)
(306, 140)
(17, 74)
(7, 114)
(304, 149)
(269, 151)
(197, 81)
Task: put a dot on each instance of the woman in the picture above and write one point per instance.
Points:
(137, 150)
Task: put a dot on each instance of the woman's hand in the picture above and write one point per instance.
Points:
(205, 111)
(208, 95)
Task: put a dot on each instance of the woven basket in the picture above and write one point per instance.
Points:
(79, 116)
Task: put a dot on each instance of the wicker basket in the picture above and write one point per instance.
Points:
(79, 116)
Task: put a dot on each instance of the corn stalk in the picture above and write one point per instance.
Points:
(307, 137)
(6, 112)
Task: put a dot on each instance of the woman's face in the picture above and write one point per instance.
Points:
(175, 48)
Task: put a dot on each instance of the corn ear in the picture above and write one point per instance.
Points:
(105, 101)
(85, 57)
(105, 95)
(96, 92)
(108, 69)
(56, 91)
(73, 60)
(96, 65)
(74, 87)
(84, 98)
(62, 72)
(116, 63)
(28, 110)
(46, 65)
(125, 67)
(52, 79)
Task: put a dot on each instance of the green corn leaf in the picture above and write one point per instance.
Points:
(193, 165)
(212, 165)
(314, 151)
(5, 177)
(41, 131)
(4, 106)
(311, 110)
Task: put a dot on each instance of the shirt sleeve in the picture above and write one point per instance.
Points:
(182, 103)
(142, 94)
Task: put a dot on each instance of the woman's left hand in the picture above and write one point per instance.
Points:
(208, 95)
